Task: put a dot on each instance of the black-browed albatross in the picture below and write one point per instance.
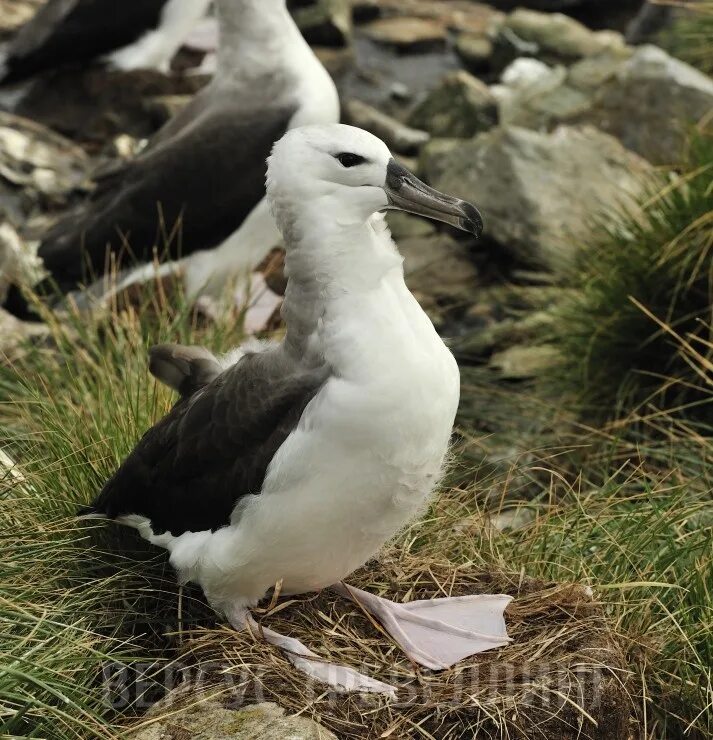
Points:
(125, 34)
(297, 461)
(205, 169)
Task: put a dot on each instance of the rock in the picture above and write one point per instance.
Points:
(558, 36)
(326, 23)
(16, 13)
(206, 719)
(439, 267)
(498, 335)
(460, 107)
(397, 136)
(403, 225)
(475, 52)
(651, 103)
(537, 96)
(537, 191)
(38, 159)
(10, 472)
(513, 518)
(408, 35)
(522, 362)
(18, 262)
(591, 73)
(508, 46)
(13, 336)
(336, 61)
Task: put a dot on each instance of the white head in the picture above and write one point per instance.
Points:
(347, 175)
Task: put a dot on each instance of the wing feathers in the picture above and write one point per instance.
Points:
(185, 369)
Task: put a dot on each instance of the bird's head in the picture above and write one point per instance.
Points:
(351, 175)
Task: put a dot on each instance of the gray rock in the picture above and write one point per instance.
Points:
(326, 22)
(408, 34)
(18, 260)
(403, 225)
(475, 51)
(539, 192)
(14, 335)
(537, 96)
(440, 267)
(650, 104)
(460, 107)
(336, 61)
(206, 719)
(396, 135)
(523, 361)
(591, 73)
(38, 159)
(558, 36)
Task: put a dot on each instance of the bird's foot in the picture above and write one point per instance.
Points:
(437, 633)
(341, 678)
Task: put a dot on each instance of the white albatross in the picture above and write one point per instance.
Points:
(124, 35)
(297, 461)
(197, 191)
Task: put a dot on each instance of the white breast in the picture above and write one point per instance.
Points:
(368, 452)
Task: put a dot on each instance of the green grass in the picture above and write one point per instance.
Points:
(75, 598)
(690, 36)
(630, 518)
(642, 303)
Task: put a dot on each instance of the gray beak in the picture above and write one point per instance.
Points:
(407, 193)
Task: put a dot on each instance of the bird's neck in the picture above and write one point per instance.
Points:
(255, 35)
(331, 267)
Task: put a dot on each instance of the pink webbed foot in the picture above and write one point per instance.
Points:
(437, 633)
(339, 677)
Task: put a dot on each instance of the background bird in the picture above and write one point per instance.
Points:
(199, 185)
(296, 462)
(124, 35)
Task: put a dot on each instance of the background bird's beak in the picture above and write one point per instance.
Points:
(407, 193)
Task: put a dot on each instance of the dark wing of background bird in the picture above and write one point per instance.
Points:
(199, 185)
(70, 31)
(214, 447)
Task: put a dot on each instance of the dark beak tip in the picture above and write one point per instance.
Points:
(473, 221)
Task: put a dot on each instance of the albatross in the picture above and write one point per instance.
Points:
(296, 461)
(202, 177)
(125, 35)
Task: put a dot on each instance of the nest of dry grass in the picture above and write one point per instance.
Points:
(563, 676)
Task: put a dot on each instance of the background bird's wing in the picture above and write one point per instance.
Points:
(185, 194)
(67, 31)
(188, 472)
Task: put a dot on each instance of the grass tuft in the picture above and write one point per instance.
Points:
(642, 305)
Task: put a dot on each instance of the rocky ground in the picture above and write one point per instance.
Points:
(543, 122)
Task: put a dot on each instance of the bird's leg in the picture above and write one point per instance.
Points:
(437, 633)
(339, 677)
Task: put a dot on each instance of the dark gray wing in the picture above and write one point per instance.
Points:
(188, 193)
(214, 447)
(185, 369)
(71, 31)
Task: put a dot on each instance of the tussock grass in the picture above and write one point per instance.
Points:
(642, 305)
(77, 598)
(691, 34)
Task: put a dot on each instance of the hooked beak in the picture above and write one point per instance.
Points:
(407, 193)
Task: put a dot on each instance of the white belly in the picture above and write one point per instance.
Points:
(368, 451)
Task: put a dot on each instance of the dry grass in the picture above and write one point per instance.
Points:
(562, 676)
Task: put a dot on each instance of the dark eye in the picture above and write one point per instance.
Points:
(350, 160)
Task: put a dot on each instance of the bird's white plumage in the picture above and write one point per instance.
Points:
(262, 56)
(370, 446)
(260, 43)
(155, 49)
